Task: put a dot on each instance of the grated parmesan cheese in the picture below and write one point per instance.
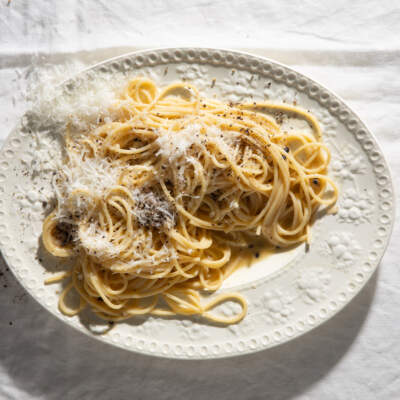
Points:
(79, 104)
(96, 175)
(174, 144)
(96, 243)
(92, 175)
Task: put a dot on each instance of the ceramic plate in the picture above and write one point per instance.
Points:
(290, 292)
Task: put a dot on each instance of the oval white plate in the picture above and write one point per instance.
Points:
(289, 293)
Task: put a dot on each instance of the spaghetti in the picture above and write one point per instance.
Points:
(157, 203)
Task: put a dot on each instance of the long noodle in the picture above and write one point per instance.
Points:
(157, 203)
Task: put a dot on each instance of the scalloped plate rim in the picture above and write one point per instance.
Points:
(246, 351)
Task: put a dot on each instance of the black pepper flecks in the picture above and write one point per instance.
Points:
(279, 117)
(64, 233)
(21, 298)
(154, 211)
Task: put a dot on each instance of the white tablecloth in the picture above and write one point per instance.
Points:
(352, 48)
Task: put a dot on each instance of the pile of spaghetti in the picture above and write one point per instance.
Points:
(156, 203)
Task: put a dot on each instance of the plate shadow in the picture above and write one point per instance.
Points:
(46, 358)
